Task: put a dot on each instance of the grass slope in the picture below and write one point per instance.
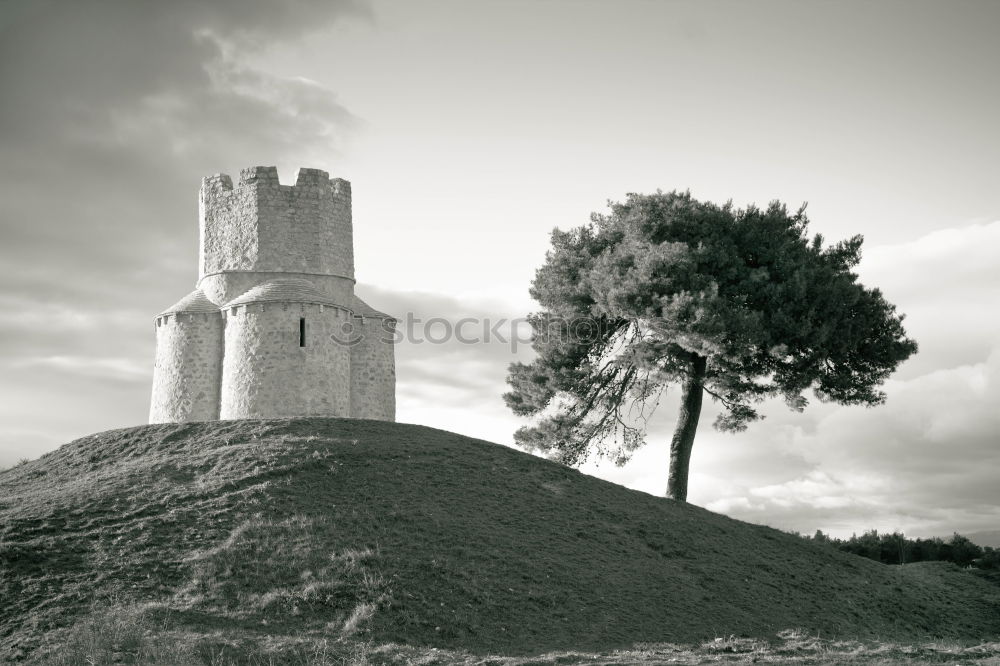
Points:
(256, 530)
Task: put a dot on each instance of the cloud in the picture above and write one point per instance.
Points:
(112, 112)
(23, 313)
(124, 369)
(934, 264)
(947, 283)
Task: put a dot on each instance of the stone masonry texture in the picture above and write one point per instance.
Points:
(273, 328)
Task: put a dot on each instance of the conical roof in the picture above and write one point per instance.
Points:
(364, 310)
(196, 301)
(283, 290)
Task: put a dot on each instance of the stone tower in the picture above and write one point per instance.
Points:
(273, 327)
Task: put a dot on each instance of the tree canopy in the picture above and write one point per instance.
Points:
(739, 304)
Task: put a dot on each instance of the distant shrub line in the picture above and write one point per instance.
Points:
(895, 548)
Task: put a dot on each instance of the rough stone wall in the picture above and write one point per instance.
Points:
(266, 374)
(188, 368)
(227, 221)
(373, 370)
(262, 226)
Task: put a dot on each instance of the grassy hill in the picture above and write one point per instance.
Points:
(258, 532)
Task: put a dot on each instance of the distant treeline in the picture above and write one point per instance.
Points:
(895, 548)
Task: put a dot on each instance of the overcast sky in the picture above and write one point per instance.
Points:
(469, 130)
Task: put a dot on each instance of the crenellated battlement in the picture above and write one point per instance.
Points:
(259, 225)
(308, 182)
(263, 175)
(219, 182)
(312, 178)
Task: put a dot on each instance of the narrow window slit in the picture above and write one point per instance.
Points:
(302, 331)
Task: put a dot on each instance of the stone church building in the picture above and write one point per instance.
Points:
(273, 328)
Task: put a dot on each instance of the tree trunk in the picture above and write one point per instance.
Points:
(687, 424)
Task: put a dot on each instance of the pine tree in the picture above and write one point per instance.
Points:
(738, 304)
